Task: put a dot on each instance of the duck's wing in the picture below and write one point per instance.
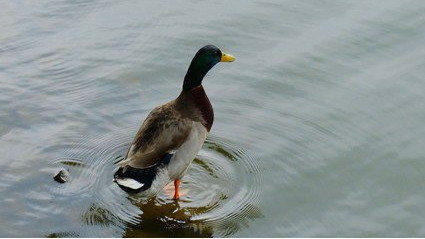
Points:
(163, 131)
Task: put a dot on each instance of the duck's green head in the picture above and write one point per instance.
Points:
(203, 61)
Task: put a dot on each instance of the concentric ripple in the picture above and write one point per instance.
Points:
(218, 194)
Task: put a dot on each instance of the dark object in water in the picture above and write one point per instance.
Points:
(62, 176)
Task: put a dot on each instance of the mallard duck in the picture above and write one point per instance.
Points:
(172, 134)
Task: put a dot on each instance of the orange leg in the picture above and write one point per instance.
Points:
(176, 189)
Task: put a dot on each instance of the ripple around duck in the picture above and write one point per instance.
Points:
(218, 194)
(240, 187)
(91, 165)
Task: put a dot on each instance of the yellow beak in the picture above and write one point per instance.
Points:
(227, 58)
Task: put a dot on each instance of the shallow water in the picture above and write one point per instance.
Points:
(318, 123)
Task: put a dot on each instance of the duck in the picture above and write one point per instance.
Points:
(172, 134)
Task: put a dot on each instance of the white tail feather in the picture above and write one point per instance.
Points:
(129, 183)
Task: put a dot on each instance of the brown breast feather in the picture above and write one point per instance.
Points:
(196, 106)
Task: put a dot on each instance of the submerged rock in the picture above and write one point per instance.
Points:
(62, 176)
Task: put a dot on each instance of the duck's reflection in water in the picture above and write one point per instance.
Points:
(160, 219)
(163, 217)
(170, 219)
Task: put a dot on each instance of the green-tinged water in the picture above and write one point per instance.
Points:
(318, 127)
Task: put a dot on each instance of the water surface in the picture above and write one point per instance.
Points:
(318, 123)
